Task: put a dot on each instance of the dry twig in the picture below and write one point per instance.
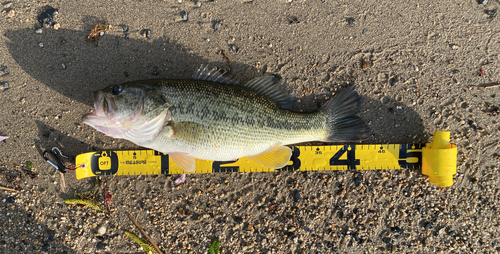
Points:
(9, 189)
(144, 233)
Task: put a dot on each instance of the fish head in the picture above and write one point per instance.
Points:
(136, 112)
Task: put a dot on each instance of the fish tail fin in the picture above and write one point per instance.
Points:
(341, 121)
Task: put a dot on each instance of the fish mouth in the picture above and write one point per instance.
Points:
(103, 106)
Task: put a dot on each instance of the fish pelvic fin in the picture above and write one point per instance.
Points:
(342, 123)
(184, 161)
(275, 158)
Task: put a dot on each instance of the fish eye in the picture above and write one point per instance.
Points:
(117, 90)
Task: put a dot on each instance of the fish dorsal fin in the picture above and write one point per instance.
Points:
(267, 86)
(271, 88)
(214, 75)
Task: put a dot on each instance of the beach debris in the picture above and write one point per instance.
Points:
(350, 21)
(488, 85)
(365, 65)
(97, 31)
(46, 18)
(7, 189)
(492, 110)
(89, 203)
(181, 179)
(197, 3)
(144, 245)
(483, 2)
(145, 235)
(146, 33)
(214, 248)
(10, 14)
(481, 71)
(40, 44)
(102, 230)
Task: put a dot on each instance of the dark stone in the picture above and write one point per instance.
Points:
(350, 21)
(296, 196)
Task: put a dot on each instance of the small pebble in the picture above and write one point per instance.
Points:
(385, 100)
(184, 15)
(6, 85)
(350, 21)
(396, 229)
(63, 65)
(428, 225)
(393, 81)
(102, 230)
(216, 25)
(146, 33)
(420, 208)
(39, 30)
(200, 23)
(7, 5)
(483, 2)
(40, 44)
(296, 196)
(234, 48)
(127, 36)
(358, 179)
(491, 13)
(197, 3)
(47, 17)
(125, 28)
(11, 200)
(5, 70)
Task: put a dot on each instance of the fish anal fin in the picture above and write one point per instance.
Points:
(275, 158)
(184, 161)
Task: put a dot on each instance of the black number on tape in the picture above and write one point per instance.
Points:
(406, 152)
(350, 162)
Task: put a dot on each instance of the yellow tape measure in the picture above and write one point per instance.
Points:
(437, 160)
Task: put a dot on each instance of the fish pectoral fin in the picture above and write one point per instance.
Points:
(275, 158)
(184, 161)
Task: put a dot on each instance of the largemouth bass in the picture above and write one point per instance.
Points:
(211, 117)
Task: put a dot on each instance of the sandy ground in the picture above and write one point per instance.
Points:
(416, 65)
